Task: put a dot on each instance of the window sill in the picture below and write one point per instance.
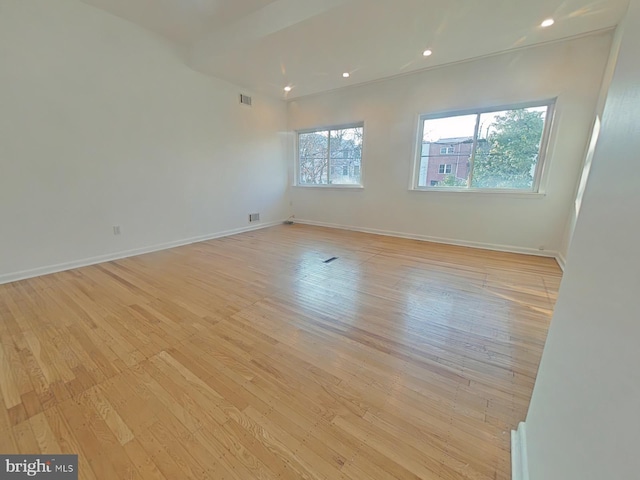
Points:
(495, 193)
(332, 187)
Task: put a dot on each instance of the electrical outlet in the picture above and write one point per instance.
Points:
(116, 230)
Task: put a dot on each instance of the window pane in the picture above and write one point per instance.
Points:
(313, 158)
(508, 148)
(346, 156)
(446, 151)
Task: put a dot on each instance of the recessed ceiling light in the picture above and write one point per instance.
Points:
(346, 75)
(547, 23)
(287, 88)
(427, 53)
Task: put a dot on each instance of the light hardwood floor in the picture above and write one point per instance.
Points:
(248, 357)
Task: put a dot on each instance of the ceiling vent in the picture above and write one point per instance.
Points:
(245, 99)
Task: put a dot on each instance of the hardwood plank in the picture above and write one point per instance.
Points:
(8, 386)
(248, 357)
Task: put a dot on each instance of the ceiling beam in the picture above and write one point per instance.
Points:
(270, 19)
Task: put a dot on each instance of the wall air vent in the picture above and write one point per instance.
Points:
(245, 99)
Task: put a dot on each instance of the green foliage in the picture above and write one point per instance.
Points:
(452, 181)
(507, 158)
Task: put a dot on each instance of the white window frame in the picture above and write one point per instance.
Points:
(445, 165)
(446, 150)
(328, 129)
(541, 166)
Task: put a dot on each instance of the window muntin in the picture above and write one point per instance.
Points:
(499, 149)
(330, 156)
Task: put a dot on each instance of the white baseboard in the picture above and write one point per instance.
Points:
(562, 261)
(519, 459)
(36, 272)
(447, 241)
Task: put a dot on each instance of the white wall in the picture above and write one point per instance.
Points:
(584, 418)
(588, 159)
(571, 71)
(101, 124)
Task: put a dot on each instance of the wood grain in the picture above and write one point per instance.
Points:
(248, 357)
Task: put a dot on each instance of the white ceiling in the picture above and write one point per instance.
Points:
(264, 45)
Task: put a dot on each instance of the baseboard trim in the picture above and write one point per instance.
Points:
(426, 238)
(36, 272)
(519, 459)
(562, 261)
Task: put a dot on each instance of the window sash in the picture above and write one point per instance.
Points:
(328, 158)
(540, 165)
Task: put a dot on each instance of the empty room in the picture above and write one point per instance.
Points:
(319, 239)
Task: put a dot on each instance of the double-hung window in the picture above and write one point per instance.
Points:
(494, 149)
(330, 156)
(447, 150)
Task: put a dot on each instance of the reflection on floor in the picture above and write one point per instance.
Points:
(249, 357)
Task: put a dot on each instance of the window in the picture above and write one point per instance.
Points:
(499, 149)
(328, 156)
